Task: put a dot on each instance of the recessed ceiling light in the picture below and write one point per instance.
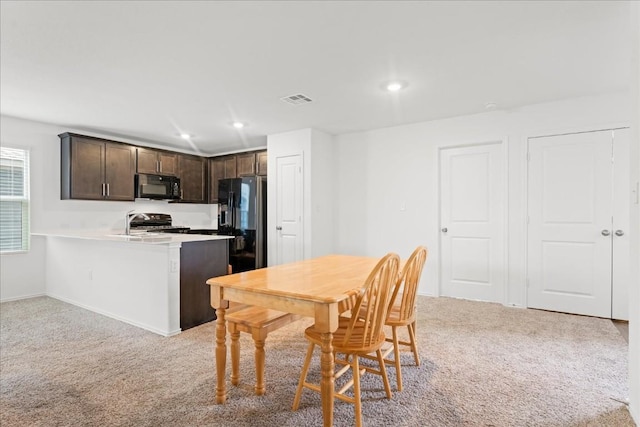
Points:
(185, 136)
(395, 86)
(238, 125)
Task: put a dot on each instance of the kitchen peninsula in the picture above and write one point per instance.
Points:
(156, 282)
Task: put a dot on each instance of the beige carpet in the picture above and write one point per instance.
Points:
(483, 365)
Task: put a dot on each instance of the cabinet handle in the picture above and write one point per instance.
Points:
(108, 191)
(605, 232)
(159, 165)
(104, 191)
(278, 228)
(619, 233)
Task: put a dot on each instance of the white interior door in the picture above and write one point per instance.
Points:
(472, 222)
(289, 203)
(570, 221)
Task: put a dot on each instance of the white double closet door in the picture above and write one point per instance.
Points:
(578, 222)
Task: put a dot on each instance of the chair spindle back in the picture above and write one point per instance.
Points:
(373, 300)
(407, 284)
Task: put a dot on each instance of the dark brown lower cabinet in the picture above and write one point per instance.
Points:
(199, 261)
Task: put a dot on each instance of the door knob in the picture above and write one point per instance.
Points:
(444, 230)
(619, 233)
(278, 228)
(605, 232)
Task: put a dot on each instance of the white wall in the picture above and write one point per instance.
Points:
(634, 290)
(381, 169)
(323, 188)
(317, 151)
(23, 274)
(283, 144)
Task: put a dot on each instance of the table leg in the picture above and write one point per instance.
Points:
(221, 355)
(259, 359)
(327, 382)
(235, 357)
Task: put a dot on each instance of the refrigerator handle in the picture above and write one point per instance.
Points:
(232, 208)
(261, 236)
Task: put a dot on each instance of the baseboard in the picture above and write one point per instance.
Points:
(22, 297)
(511, 305)
(423, 294)
(116, 317)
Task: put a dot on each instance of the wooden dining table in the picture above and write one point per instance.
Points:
(321, 288)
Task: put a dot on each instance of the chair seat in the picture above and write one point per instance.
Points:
(354, 344)
(395, 318)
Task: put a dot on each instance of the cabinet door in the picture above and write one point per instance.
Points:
(87, 169)
(193, 171)
(230, 167)
(119, 171)
(154, 161)
(216, 172)
(261, 161)
(246, 164)
(168, 163)
(198, 262)
(147, 161)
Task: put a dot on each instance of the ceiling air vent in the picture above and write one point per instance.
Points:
(297, 99)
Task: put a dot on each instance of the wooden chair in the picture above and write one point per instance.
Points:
(402, 310)
(358, 335)
(258, 322)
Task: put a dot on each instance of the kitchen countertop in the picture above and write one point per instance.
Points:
(138, 238)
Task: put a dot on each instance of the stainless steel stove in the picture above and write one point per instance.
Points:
(156, 222)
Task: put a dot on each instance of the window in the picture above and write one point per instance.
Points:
(14, 199)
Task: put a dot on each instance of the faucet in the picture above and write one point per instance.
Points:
(129, 216)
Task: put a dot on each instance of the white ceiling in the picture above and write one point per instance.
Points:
(146, 71)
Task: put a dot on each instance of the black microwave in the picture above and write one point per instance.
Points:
(161, 187)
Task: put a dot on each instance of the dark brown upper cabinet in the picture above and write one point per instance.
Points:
(96, 169)
(230, 167)
(220, 168)
(193, 178)
(261, 162)
(235, 166)
(246, 163)
(157, 161)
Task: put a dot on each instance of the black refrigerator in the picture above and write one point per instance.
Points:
(242, 213)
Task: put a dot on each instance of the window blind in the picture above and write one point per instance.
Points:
(14, 199)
